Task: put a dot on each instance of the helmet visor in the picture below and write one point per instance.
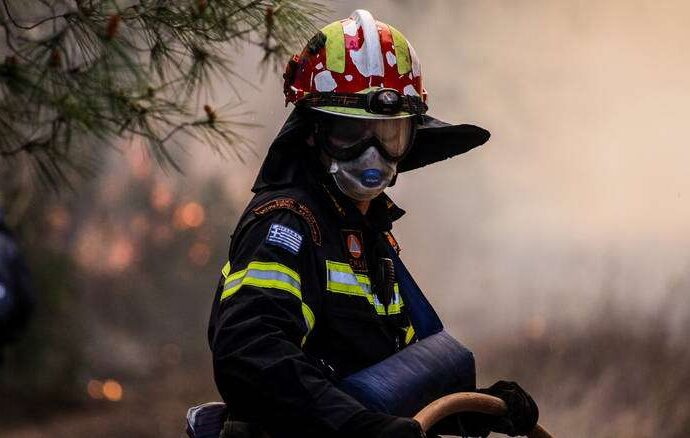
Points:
(347, 137)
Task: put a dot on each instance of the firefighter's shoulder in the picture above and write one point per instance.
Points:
(284, 211)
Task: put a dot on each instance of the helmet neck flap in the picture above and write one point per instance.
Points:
(360, 67)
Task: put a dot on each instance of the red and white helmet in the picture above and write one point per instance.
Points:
(359, 67)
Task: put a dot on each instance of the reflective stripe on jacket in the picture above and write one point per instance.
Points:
(298, 307)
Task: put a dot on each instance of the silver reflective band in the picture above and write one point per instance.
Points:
(342, 280)
(263, 275)
(270, 275)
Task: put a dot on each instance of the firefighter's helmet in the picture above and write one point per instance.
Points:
(357, 67)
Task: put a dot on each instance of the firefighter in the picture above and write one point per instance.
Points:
(308, 295)
(17, 297)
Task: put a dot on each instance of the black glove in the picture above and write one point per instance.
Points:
(368, 424)
(522, 414)
(402, 428)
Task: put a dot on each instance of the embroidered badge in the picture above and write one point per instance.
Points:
(355, 250)
(284, 237)
(392, 242)
(296, 207)
(354, 246)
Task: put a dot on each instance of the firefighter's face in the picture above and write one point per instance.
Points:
(346, 138)
(362, 154)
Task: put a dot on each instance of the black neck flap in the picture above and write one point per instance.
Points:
(435, 141)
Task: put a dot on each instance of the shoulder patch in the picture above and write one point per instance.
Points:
(284, 237)
(296, 207)
(392, 242)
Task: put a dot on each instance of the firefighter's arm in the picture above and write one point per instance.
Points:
(268, 305)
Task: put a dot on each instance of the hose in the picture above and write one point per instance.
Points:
(467, 402)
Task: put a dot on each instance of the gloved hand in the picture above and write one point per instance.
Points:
(520, 419)
(368, 424)
(522, 414)
(402, 428)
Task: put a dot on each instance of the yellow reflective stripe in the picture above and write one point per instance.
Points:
(402, 51)
(338, 266)
(232, 277)
(342, 279)
(273, 266)
(309, 319)
(346, 289)
(409, 334)
(308, 316)
(394, 307)
(263, 274)
(226, 270)
(269, 284)
(363, 279)
(270, 275)
(335, 47)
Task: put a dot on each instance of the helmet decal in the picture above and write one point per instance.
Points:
(410, 91)
(416, 68)
(354, 55)
(335, 49)
(402, 51)
(368, 58)
(324, 81)
(390, 58)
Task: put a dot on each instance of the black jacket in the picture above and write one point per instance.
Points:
(299, 307)
(304, 299)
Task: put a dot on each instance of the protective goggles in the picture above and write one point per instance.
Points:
(346, 138)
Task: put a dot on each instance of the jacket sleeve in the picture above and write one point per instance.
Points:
(266, 305)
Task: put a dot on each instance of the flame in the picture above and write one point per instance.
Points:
(190, 215)
(95, 389)
(112, 390)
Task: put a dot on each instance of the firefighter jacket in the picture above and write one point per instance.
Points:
(303, 299)
(303, 302)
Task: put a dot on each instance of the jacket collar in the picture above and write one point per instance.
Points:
(380, 216)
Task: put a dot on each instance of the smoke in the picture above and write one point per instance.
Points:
(558, 252)
(580, 196)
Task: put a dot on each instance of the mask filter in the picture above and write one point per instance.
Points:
(364, 177)
(371, 177)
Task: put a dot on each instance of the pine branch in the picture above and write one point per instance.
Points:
(82, 76)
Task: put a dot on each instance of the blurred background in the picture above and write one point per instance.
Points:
(559, 252)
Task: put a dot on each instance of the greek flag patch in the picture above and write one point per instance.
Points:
(284, 237)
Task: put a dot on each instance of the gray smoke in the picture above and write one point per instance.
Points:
(580, 196)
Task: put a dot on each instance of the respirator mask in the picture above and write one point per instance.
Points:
(363, 152)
